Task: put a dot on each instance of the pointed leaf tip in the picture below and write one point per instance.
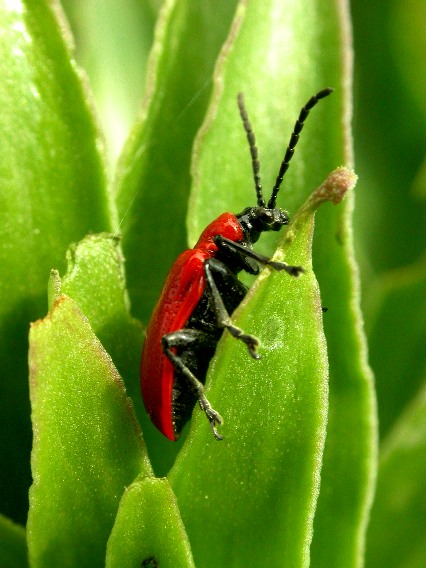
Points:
(334, 187)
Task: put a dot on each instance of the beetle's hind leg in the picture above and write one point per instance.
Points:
(190, 339)
(213, 266)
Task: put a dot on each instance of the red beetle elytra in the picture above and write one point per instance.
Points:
(200, 292)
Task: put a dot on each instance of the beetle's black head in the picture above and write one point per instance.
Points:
(266, 217)
(256, 220)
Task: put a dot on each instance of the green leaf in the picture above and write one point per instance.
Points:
(396, 535)
(95, 281)
(270, 58)
(349, 470)
(13, 547)
(153, 181)
(52, 192)
(148, 526)
(87, 444)
(251, 500)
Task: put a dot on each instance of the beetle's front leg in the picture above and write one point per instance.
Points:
(189, 338)
(249, 255)
(223, 320)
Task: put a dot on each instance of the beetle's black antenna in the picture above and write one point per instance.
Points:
(294, 139)
(253, 150)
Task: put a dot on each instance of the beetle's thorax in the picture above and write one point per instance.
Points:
(256, 220)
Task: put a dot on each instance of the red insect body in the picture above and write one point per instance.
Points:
(182, 291)
(188, 320)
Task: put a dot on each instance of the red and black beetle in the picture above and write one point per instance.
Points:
(200, 292)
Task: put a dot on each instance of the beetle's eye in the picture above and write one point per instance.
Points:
(265, 216)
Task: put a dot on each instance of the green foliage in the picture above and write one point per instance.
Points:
(87, 444)
(292, 482)
(148, 527)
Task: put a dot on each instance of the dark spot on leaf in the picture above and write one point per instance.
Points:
(150, 562)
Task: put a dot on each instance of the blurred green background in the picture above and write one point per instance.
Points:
(112, 45)
(390, 143)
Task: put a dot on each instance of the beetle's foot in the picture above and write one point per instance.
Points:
(292, 270)
(250, 340)
(252, 344)
(212, 416)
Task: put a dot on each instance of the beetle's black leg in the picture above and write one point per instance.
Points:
(211, 266)
(227, 244)
(188, 338)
